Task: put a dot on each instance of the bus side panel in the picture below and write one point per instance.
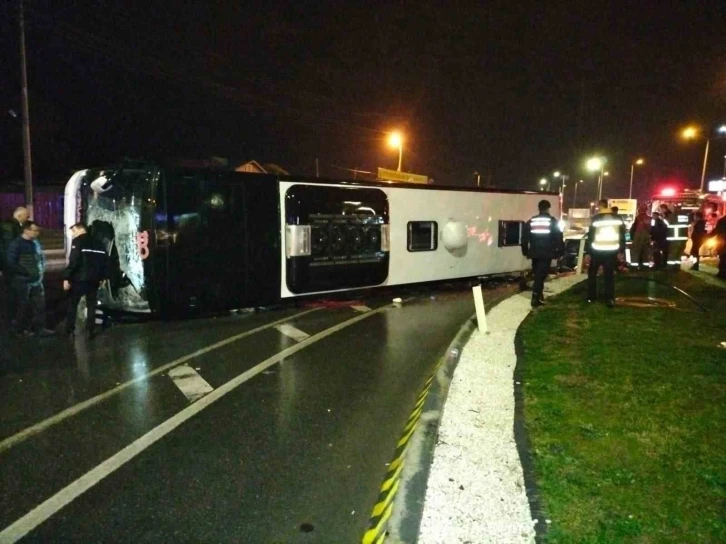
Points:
(205, 243)
(262, 247)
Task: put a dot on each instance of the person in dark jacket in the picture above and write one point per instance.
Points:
(11, 230)
(605, 240)
(87, 268)
(659, 235)
(26, 262)
(640, 235)
(698, 236)
(16, 224)
(719, 232)
(542, 241)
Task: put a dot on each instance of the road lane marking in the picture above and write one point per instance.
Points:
(190, 382)
(77, 408)
(361, 308)
(65, 496)
(292, 332)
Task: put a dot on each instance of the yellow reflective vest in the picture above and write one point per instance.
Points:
(606, 234)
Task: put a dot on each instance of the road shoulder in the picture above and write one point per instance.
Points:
(476, 487)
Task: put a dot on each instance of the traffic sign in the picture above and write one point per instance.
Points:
(395, 175)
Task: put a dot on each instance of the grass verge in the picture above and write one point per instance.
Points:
(625, 412)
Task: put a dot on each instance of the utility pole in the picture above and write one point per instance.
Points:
(28, 170)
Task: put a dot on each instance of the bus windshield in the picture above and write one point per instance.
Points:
(118, 206)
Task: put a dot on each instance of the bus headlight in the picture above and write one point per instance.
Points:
(355, 238)
(373, 239)
(337, 239)
(319, 239)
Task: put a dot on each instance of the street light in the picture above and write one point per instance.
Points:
(639, 162)
(396, 140)
(690, 133)
(596, 164)
(543, 182)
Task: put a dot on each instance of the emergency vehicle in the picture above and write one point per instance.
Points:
(682, 205)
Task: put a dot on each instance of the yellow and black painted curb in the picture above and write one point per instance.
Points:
(376, 532)
(379, 521)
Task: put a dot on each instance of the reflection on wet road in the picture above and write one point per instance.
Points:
(301, 412)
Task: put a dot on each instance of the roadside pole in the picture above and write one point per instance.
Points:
(481, 316)
(580, 256)
(28, 170)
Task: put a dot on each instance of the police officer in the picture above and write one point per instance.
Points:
(605, 239)
(87, 268)
(541, 241)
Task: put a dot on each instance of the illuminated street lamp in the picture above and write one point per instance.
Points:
(596, 164)
(690, 133)
(638, 162)
(543, 182)
(396, 140)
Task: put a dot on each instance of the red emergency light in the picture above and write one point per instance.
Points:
(668, 191)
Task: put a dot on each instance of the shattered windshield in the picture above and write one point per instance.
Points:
(119, 208)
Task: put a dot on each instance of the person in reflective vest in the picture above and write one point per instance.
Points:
(541, 241)
(605, 239)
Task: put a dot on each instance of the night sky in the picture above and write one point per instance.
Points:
(513, 90)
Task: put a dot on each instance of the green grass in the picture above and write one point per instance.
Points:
(625, 409)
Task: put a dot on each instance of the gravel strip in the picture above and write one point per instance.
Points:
(476, 492)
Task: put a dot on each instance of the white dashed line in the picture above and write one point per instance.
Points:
(292, 332)
(190, 382)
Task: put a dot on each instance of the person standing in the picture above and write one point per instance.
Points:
(542, 241)
(659, 235)
(666, 214)
(698, 235)
(87, 268)
(26, 262)
(719, 232)
(640, 235)
(15, 227)
(605, 240)
(11, 230)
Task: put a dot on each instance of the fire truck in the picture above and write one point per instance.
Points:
(681, 207)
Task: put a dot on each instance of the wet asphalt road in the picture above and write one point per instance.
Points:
(296, 453)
